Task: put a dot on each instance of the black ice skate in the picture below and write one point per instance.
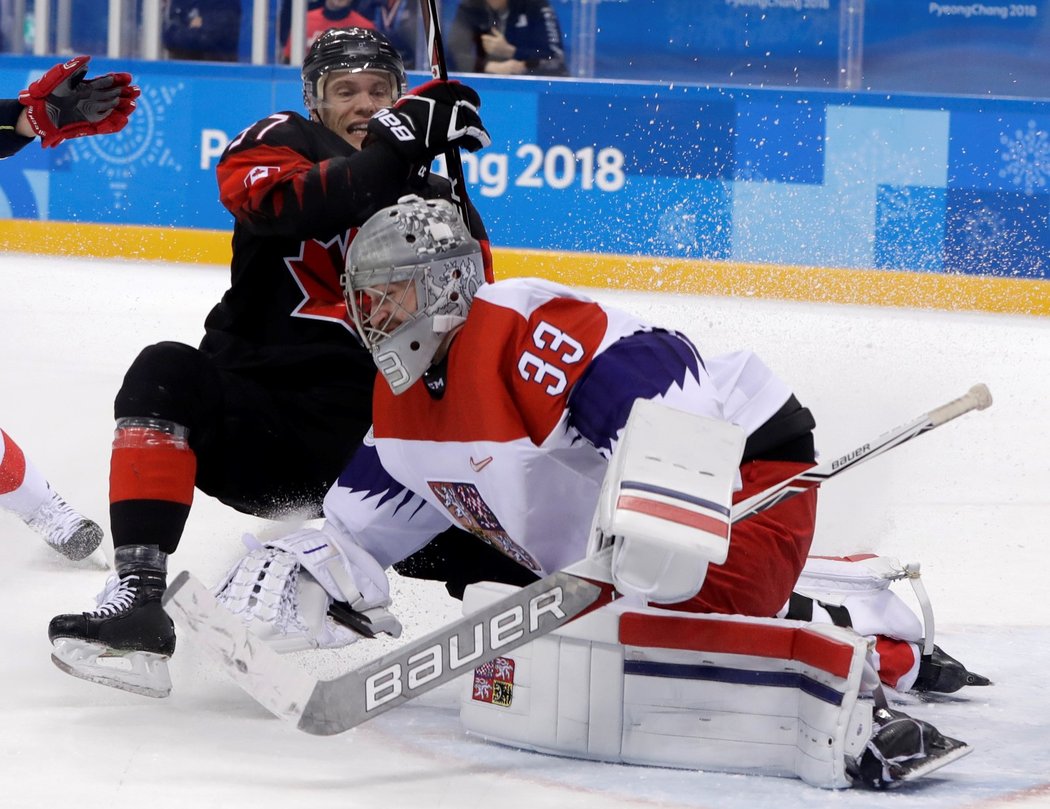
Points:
(902, 749)
(125, 642)
(72, 535)
(941, 673)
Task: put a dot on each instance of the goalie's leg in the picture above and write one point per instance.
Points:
(125, 642)
(855, 592)
(707, 692)
(767, 551)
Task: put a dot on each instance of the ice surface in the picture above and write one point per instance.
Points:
(971, 501)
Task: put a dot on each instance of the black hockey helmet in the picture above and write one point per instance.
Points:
(352, 49)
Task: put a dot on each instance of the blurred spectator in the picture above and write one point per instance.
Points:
(508, 37)
(284, 21)
(8, 35)
(203, 30)
(398, 21)
(326, 15)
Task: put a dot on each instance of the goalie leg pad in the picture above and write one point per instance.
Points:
(665, 501)
(650, 686)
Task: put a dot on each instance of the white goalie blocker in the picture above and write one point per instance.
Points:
(666, 499)
(644, 685)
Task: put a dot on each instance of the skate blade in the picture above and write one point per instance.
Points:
(930, 765)
(144, 673)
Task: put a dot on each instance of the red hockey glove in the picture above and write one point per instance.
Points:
(431, 119)
(62, 104)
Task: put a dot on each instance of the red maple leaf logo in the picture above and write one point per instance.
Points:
(316, 271)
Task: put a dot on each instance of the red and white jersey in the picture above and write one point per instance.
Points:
(537, 389)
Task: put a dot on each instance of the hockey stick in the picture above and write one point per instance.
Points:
(976, 398)
(439, 70)
(326, 707)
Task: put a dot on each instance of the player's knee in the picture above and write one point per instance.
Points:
(170, 381)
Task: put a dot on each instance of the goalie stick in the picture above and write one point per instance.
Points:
(976, 398)
(326, 707)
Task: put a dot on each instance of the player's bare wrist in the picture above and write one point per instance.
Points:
(22, 126)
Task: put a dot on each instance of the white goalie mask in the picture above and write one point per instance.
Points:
(410, 279)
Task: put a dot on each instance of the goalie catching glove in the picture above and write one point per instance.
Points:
(430, 120)
(302, 592)
(62, 104)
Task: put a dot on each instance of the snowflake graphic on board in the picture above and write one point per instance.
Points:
(985, 238)
(142, 144)
(1027, 158)
(677, 228)
(903, 207)
(749, 171)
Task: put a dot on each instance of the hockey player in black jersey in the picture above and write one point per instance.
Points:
(265, 412)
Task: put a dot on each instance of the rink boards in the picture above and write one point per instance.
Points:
(805, 195)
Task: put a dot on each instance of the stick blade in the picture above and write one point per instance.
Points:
(274, 682)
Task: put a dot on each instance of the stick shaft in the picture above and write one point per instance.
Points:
(977, 398)
(439, 70)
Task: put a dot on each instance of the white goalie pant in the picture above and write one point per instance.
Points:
(652, 686)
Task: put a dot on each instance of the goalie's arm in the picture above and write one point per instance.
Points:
(643, 365)
(326, 587)
(369, 508)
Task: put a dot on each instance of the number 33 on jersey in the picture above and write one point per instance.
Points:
(497, 448)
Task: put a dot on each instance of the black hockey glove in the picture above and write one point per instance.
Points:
(431, 119)
(62, 104)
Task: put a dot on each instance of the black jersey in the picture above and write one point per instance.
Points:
(10, 140)
(298, 192)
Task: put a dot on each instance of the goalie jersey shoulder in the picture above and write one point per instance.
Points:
(525, 345)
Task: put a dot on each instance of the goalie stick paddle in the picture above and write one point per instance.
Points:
(326, 707)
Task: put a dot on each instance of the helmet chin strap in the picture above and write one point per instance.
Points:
(446, 341)
(443, 324)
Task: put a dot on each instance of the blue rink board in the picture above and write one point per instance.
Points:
(814, 178)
